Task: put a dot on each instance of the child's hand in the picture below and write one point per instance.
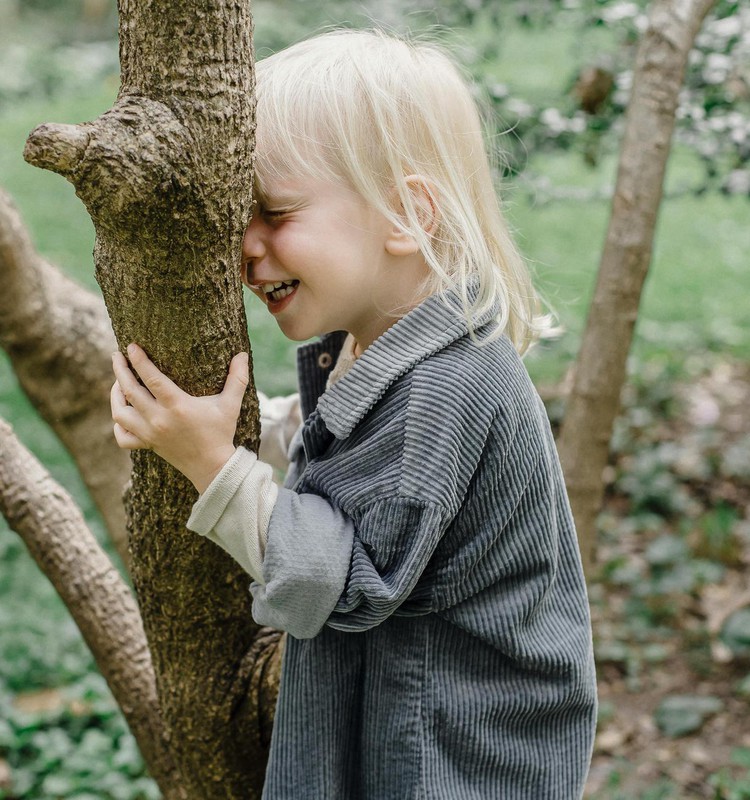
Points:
(194, 434)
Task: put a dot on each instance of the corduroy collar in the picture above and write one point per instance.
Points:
(431, 326)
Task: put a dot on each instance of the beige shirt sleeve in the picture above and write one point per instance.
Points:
(280, 417)
(235, 510)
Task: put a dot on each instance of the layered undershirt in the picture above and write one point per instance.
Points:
(235, 510)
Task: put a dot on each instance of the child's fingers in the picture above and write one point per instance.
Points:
(236, 382)
(127, 440)
(127, 416)
(118, 402)
(134, 393)
(154, 379)
(117, 399)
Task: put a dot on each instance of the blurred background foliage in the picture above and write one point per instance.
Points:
(554, 76)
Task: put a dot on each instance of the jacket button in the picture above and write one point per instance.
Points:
(325, 360)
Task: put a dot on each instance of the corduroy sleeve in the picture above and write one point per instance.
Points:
(305, 564)
(394, 541)
(323, 567)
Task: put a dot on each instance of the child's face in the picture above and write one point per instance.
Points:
(331, 251)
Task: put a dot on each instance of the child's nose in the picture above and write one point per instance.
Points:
(252, 241)
(253, 248)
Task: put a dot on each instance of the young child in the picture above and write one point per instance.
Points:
(422, 554)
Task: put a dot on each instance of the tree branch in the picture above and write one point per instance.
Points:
(51, 526)
(600, 367)
(59, 340)
(56, 147)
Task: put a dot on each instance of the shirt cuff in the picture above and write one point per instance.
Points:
(235, 510)
(211, 504)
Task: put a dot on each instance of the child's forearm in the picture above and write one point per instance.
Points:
(235, 510)
(314, 537)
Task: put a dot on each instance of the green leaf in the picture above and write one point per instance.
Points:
(679, 715)
(666, 550)
(743, 687)
(736, 632)
(7, 735)
(741, 757)
(56, 785)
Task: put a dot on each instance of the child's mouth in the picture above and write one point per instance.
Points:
(275, 292)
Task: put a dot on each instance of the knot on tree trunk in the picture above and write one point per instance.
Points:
(59, 148)
(132, 163)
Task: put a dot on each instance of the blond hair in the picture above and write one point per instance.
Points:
(369, 109)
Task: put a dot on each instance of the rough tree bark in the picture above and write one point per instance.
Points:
(165, 175)
(600, 367)
(59, 341)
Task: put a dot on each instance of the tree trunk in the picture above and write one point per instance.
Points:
(600, 367)
(59, 341)
(166, 177)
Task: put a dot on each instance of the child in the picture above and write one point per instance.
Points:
(422, 554)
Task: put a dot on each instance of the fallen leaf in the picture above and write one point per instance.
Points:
(41, 701)
(679, 715)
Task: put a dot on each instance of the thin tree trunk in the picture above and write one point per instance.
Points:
(59, 341)
(600, 368)
(51, 526)
(166, 177)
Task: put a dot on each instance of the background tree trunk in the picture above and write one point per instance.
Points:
(166, 177)
(59, 341)
(600, 367)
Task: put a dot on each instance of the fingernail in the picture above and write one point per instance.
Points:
(131, 348)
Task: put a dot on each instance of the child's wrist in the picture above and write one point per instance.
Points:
(203, 477)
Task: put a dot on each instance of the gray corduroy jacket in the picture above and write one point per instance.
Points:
(423, 559)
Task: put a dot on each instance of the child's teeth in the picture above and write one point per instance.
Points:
(278, 291)
(271, 287)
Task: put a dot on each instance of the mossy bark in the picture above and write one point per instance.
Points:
(166, 177)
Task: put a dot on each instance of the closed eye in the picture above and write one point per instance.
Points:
(268, 214)
(276, 209)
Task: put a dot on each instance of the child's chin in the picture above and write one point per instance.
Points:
(296, 334)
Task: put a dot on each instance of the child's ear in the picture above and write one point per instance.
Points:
(400, 242)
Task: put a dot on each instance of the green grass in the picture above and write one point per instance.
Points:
(695, 296)
(538, 68)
